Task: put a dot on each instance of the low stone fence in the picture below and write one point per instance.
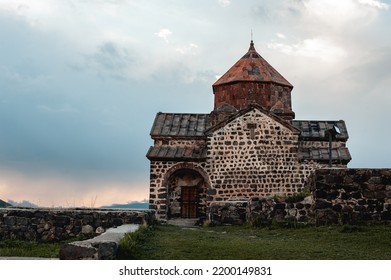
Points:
(337, 196)
(47, 224)
(261, 212)
(351, 195)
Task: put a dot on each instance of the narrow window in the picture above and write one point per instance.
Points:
(252, 127)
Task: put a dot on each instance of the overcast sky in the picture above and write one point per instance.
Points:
(82, 80)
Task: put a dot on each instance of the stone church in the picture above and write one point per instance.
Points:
(250, 145)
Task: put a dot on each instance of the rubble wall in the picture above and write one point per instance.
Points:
(46, 224)
(336, 196)
(253, 156)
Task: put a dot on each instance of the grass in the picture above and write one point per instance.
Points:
(19, 248)
(244, 243)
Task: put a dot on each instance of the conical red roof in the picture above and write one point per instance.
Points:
(252, 67)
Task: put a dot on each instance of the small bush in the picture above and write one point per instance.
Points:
(297, 197)
(130, 241)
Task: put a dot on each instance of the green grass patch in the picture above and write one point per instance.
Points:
(20, 248)
(130, 242)
(245, 243)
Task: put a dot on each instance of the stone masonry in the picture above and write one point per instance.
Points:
(46, 224)
(249, 146)
(335, 196)
(255, 156)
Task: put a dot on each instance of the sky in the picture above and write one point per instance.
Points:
(81, 82)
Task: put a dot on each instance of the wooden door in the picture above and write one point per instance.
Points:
(189, 202)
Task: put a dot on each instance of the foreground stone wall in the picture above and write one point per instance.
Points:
(351, 195)
(337, 196)
(61, 224)
(261, 212)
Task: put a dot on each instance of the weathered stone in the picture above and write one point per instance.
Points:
(9, 221)
(386, 216)
(280, 206)
(347, 209)
(322, 204)
(107, 250)
(74, 252)
(337, 207)
(320, 194)
(299, 205)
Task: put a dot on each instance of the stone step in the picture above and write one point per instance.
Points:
(102, 247)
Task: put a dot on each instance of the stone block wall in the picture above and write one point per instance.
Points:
(273, 97)
(253, 156)
(351, 195)
(60, 224)
(261, 212)
(160, 174)
(338, 196)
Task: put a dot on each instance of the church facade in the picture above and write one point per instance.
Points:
(250, 145)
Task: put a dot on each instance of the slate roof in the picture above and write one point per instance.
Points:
(252, 67)
(179, 125)
(197, 126)
(315, 130)
(177, 153)
(339, 155)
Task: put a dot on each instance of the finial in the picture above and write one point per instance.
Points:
(252, 42)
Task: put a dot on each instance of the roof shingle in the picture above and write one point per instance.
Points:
(179, 125)
(315, 130)
(177, 153)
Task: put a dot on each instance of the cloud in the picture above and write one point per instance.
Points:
(111, 59)
(224, 3)
(164, 33)
(336, 13)
(376, 4)
(320, 48)
(187, 49)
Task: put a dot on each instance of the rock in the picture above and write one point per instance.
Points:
(299, 205)
(99, 230)
(107, 251)
(76, 252)
(9, 221)
(87, 230)
(322, 204)
(280, 206)
(47, 226)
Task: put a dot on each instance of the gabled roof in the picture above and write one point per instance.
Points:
(181, 153)
(315, 130)
(248, 109)
(252, 67)
(338, 155)
(179, 125)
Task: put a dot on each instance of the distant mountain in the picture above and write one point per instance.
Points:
(133, 204)
(4, 204)
(24, 203)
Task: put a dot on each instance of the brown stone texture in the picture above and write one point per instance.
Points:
(273, 97)
(262, 162)
(45, 224)
(351, 195)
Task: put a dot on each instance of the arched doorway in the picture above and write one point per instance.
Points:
(186, 194)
